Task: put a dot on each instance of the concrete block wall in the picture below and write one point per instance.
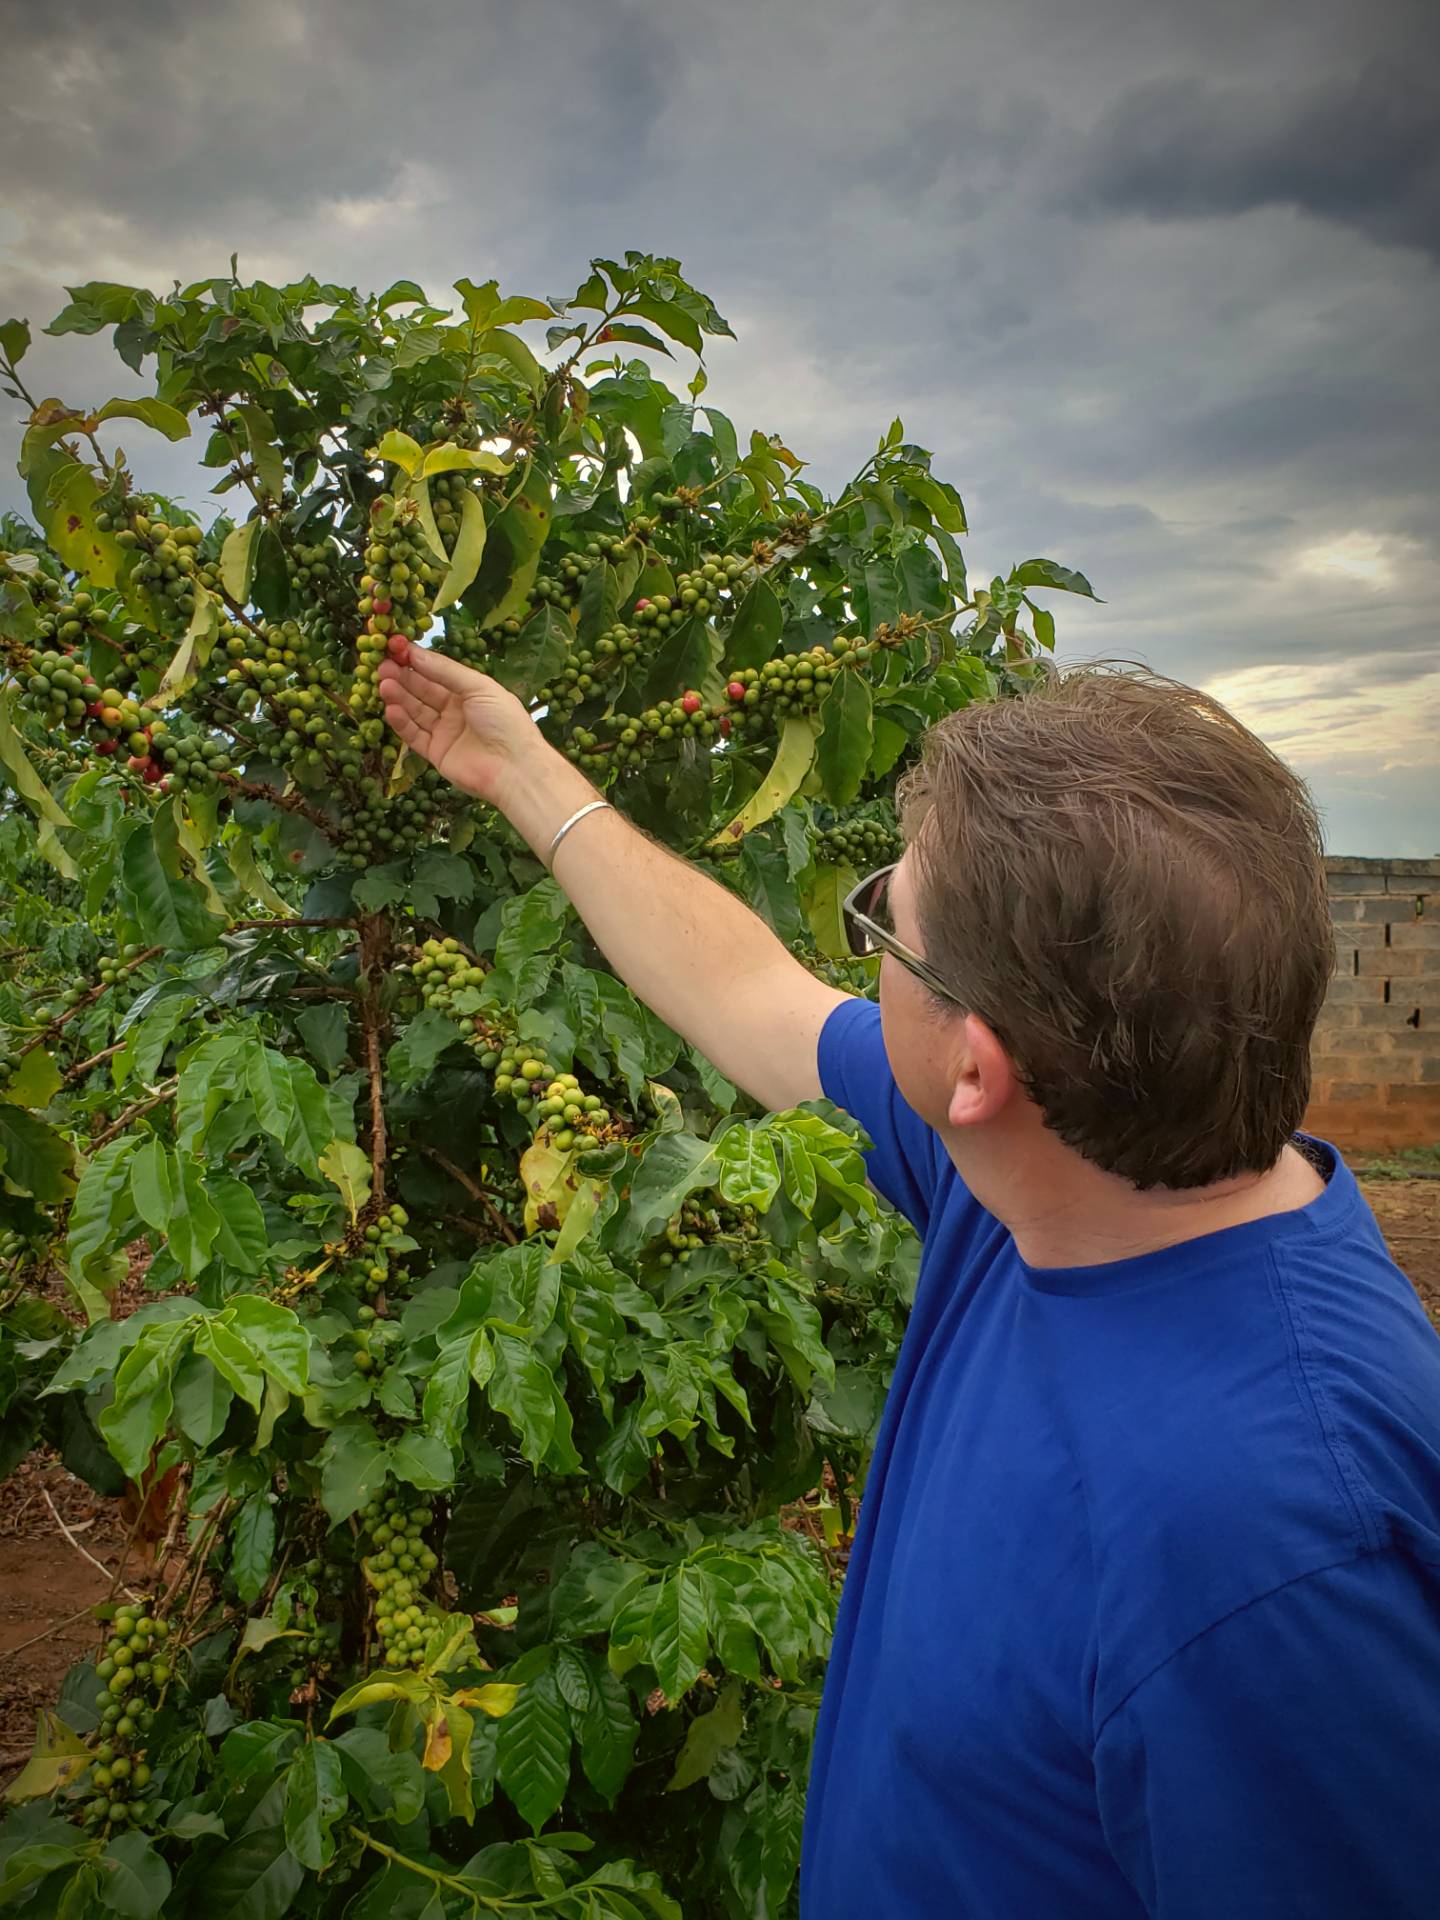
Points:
(1376, 1056)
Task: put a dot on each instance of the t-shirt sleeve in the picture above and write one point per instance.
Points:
(1286, 1761)
(855, 1074)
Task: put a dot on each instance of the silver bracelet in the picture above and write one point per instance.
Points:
(592, 806)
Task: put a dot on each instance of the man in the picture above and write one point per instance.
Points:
(1143, 1617)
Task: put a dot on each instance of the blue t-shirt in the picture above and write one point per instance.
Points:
(1143, 1615)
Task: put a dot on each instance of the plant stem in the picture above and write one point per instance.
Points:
(475, 1190)
(133, 1113)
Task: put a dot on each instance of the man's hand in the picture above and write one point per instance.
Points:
(465, 724)
(682, 943)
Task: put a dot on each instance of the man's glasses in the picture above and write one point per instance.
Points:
(869, 930)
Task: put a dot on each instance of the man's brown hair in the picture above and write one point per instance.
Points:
(1126, 885)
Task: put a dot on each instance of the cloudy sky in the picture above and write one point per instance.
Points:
(1158, 280)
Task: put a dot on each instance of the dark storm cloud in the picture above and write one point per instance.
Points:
(1363, 148)
(1156, 282)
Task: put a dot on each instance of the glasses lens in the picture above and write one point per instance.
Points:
(872, 903)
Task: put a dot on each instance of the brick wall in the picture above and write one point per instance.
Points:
(1377, 1047)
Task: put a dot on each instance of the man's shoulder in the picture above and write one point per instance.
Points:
(1303, 1431)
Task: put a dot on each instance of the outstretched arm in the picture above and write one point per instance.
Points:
(689, 949)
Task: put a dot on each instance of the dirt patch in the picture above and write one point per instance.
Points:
(46, 1579)
(1409, 1215)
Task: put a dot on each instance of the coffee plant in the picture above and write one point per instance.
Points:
(500, 1375)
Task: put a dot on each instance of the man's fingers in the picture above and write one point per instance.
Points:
(438, 669)
(397, 683)
(412, 731)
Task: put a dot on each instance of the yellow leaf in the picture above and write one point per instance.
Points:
(401, 451)
(347, 1167)
(437, 1740)
(60, 1757)
(240, 852)
(789, 767)
(579, 1215)
(545, 1171)
(469, 550)
(496, 1699)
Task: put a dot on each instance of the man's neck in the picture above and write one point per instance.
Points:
(1064, 1212)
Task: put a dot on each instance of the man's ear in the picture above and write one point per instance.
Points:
(985, 1077)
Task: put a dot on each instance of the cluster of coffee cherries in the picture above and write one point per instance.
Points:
(65, 618)
(447, 492)
(399, 1565)
(567, 1115)
(700, 591)
(381, 826)
(562, 586)
(443, 970)
(394, 599)
(316, 575)
(14, 1247)
(697, 1224)
(791, 683)
(857, 843)
(134, 1670)
(585, 670)
(373, 1271)
(561, 1108)
(168, 559)
(284, 650)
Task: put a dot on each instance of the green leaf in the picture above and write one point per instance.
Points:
(169, 909)
(420, 1045)
(241, 1238)
(315, 1798)
(202, 1400)
(267, 456)
(608, 1731)
(937, 496)
(353, 1464)
(276, 1335)
(535, 655)
(673, 1165)
(749, 1172)
(523, 1389)
(590, 1591)
(233, 1359)
(534, 1749)
(685, 661)
(136, 1881)
(468, 551)
(1049, 573)
(680, 1631)
(14, 340)
(710, 1735)
(347, 1167)
(256, 1878)
(99, 1215)
(1044, 622)
(237, 561)
(140, 1410)
(268, 1082)
(755, 630)
(151, 412)
(422, 1460)
(35, 1159)
(842, 752)
(326, 1033)
(270, 578)
(252, 1546)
